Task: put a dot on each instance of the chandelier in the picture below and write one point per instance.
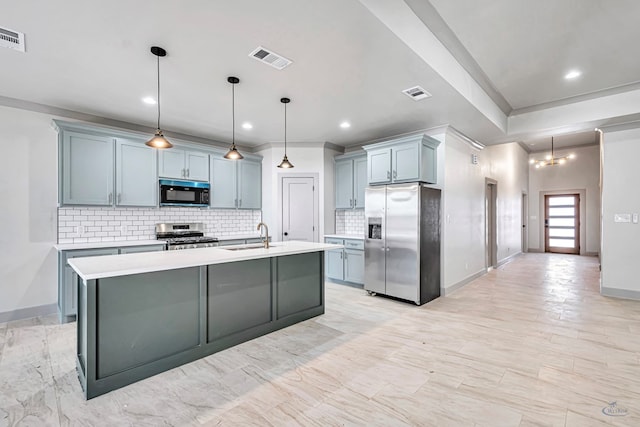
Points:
(551, 159)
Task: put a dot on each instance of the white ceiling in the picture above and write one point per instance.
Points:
(93, 57)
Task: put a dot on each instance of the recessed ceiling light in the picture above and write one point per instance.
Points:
(345, 125)
(149, 100)
(247, 125)
(572, 74)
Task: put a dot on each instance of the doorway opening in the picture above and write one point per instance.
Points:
(562, 223)
(491, 234)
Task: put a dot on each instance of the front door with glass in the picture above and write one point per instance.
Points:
(562, 223)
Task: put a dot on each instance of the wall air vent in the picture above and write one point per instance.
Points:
(11, 39)
(270, 58)
(416, 93)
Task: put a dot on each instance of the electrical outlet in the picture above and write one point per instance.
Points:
(123, 229)
(80, 230)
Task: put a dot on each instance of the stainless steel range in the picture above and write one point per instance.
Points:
(184, 236)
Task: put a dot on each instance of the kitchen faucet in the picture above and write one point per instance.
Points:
(266, 234)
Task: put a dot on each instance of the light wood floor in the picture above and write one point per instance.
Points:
(529, 344)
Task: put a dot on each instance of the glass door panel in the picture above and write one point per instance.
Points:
(562, 223)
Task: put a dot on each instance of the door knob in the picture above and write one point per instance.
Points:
(286, 234)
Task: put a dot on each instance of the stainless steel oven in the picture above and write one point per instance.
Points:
(184, 193)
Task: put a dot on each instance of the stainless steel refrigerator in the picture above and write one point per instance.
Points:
(402, 241)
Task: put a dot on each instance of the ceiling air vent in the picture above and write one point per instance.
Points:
(11, 39)
(270, 58)
(416, 93)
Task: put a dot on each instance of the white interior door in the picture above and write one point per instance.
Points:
(299, 209)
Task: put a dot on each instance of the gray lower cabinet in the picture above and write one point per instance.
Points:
(67, 278)
(345, 264)
(131, 327)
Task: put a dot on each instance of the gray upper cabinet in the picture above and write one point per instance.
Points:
(249, 184)
(350, 181)
(183, 164)
(100, 169)
(223, 183)
(87, 169)
(136, 174)
(407, 159)
(236, 183)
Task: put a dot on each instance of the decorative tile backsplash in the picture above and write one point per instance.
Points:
(350, 222)
(83, 225)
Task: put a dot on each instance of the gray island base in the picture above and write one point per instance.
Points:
(133, 326)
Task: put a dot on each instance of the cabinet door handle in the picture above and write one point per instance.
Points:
(110, 198)
(350, 203)
(182, 173)
(395, 174)
(235, 203)
(119, 197)
(355, 203)
(345, 255)
(239, 203)
(341, 255)
(187, 173)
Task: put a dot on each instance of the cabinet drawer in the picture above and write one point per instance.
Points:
(354, 244)
(333, 241)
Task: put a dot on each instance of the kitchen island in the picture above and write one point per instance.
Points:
(142, 314)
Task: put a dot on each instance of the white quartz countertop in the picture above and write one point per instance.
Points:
(345, 236)
(100, 245)
(90, 268)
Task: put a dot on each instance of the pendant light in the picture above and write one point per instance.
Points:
(551, 160)
(233, 153)
(158, 140)
(285, 164)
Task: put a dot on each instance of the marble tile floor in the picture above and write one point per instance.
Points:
(531, 343)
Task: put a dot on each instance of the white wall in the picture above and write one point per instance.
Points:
(620, 241)
(509, 166)
(580, 175)
(28, 191)
(309, 158)
(463, 224)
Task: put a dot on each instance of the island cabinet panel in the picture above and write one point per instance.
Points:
(146, 317)
(299, 279)
(133, 326)
(238, 299)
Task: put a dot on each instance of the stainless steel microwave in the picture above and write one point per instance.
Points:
(184, 193)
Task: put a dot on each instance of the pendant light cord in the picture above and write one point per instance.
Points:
(158, 62)
(233, 115)
(285, 129)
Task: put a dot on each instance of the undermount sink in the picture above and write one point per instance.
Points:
(245, 247)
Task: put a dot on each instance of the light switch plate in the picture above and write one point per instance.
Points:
(634, 218)
(622, 218)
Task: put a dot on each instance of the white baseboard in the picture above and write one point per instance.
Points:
(619, 293)
(26, 313)
(450, 289)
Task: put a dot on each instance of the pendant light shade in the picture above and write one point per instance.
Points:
(233, 153)
(158, 140)
(285, 164)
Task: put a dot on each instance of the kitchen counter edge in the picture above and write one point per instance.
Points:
(90, 268)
